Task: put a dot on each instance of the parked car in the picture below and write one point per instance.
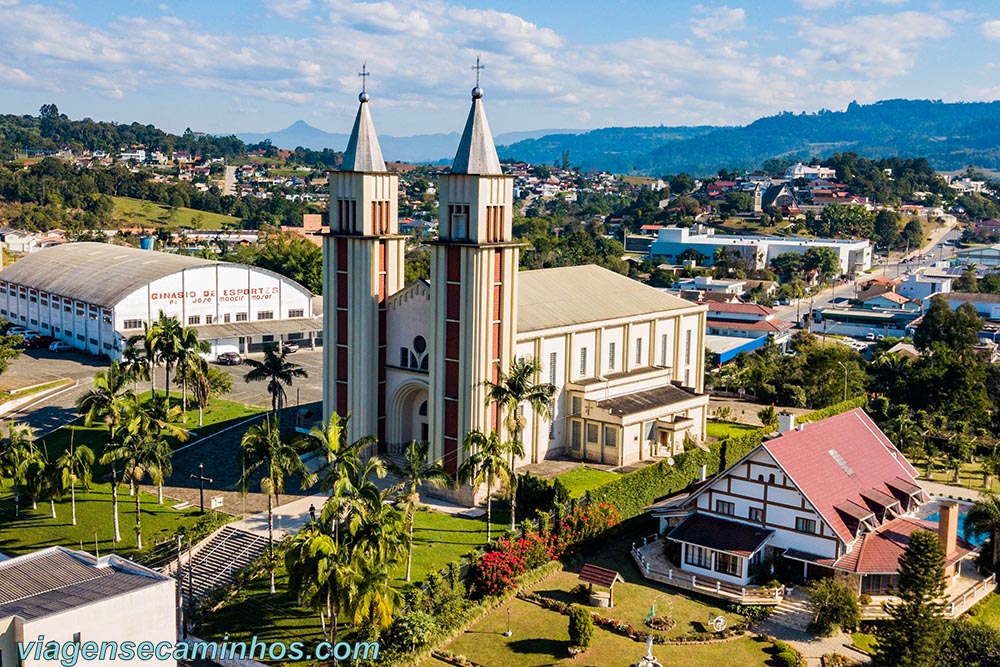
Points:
(288, 348)
(19, 331)
(38, 342)
(229, 359)
(60, 346)
(870, 336)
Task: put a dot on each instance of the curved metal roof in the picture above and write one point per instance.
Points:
(98, 273)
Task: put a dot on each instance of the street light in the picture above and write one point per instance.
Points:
(508, 632)
(844, 366)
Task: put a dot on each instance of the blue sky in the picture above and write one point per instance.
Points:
(258, 65)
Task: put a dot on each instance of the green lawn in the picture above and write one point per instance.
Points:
(439, 539)
(583, 479)
(717, 429)
(987, 611)
(140, 213)
(218, 415)
(35, 529)
(864, 641)
(540, 638)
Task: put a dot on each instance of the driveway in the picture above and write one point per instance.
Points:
(303, 390)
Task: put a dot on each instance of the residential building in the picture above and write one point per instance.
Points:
(809, 172)
(889, 301)
(918, 286)
(747, 320)
(836, 497)
(68, 596)
(986, 257)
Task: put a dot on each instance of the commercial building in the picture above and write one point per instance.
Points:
(853, 255)
(95, 296)
(71, 596)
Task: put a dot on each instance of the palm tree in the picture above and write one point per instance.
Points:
(33, 474)
(165, 338)
(204, 381)
(134, 363)
(319, 577)
(149, 355)
(486, 465)
(140, 453)
(74, 466)
(189, 347)
(339, 457)
(263, 449)
(277, 371)
(53, 482)
(510, 392)
(413, 472)
(984, 517)
(376, 598)
(16, 451)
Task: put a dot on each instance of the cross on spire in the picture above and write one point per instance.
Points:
(478, 68)
(364, 74)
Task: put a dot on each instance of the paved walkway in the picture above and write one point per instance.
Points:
(811, 647)
(939, 489)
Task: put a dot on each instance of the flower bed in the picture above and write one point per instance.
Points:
(628, 630)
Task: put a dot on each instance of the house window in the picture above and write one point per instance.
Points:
(610, 436)
(756, 514)
(687, 378)
(593, 433)
(698, 556)
(132, 324)
(404, 357)
(728, 564)
(208, 319)
(687, 347)
(611, 356)
(81, 337)
(576, 438)
(583, 361)
(638, 352)
(67, 308)
(805, 525)
(267, 338)
(296, 312)
(725, 507)
(552, 368)
(194, 319)
(879, 584)
(240, 317)
(225, 318)
(265, 315)
(576, 406)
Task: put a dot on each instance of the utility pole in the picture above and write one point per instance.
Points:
(201, 485)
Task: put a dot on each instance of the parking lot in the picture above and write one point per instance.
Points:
(40, 366)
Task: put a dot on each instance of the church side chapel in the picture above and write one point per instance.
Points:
(413, 362)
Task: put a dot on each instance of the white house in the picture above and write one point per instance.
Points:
(835, 496)
(70, 596)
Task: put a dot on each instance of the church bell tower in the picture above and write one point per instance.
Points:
(474, 266)
(362, 266)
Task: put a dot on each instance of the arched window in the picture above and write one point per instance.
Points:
(422, 411)
(770, 478)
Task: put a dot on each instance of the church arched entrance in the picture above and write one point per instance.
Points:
(408, 416)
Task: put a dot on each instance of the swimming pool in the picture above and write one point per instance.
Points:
(975, 539)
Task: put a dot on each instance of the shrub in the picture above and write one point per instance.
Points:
(836, 660)
(535, 494)
(834, 604)
(580, 592)
(787, 659)
(581, 627)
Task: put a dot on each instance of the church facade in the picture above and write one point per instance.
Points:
(412, 362)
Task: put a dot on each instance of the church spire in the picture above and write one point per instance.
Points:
(476, 152)
(363, 152)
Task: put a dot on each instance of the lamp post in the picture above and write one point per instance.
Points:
(508, 632)
(201, 485)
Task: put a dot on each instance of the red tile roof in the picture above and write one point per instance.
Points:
(879, 552)
(742, 308)
(838, 459)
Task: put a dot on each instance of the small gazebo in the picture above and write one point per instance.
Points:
(602, 576)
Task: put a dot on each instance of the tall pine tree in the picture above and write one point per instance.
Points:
(913, 637)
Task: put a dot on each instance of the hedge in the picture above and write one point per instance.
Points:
(633, 492)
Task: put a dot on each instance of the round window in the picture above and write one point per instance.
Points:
(419, 344)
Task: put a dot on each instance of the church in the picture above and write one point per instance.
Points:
(412, 361)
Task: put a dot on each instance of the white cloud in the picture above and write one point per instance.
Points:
(815, 5)
(716, 20)
(289, 9)
(990, 29)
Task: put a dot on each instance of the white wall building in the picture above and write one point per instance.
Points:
(918, 287)
(810, 172)
(95, 296)
(855, 255)
(71, 596)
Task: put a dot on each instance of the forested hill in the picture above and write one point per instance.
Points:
(51, 130)
(949, 135)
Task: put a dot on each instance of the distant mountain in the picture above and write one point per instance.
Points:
(417, 148)
(950, 136)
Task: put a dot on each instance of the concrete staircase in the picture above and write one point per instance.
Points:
(217, 561)
(794, 612)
